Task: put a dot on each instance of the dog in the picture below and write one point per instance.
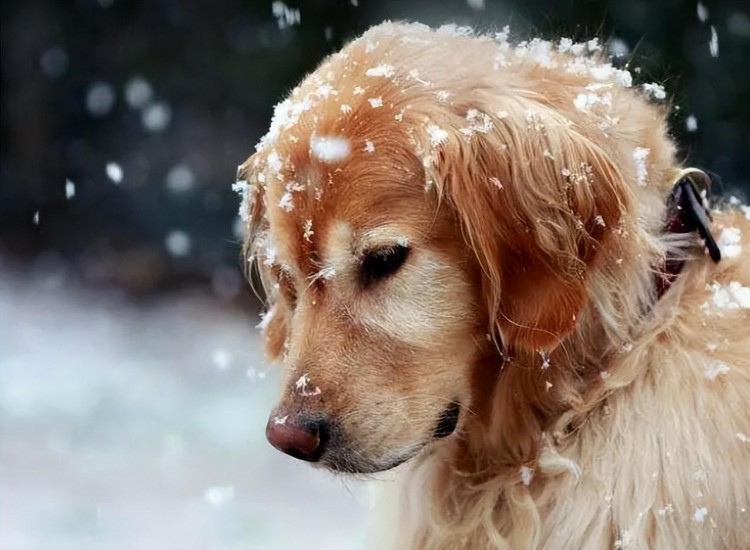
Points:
(485, 265)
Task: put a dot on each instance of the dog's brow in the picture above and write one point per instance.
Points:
(380, 237)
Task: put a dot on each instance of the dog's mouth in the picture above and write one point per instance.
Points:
(348, 460)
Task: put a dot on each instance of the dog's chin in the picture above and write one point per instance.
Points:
(350, 461)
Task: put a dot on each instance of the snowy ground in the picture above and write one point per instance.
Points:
(129, 427)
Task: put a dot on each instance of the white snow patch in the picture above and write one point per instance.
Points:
(654, 90)
(329, 148)
(383, 70)
(729, 242)
(731, 296)
(280, 420)
(346, 108)
(715, 369)
(376, 102)
(70, 189)
(437, 135)
(114, 172)
(742, 437)
(700, 515)
(640, 154)
(219, 495)
(369, 146)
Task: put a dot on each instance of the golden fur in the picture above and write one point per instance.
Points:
(530, 183)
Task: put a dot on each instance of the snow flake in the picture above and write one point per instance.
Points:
(545, 358)
(285, 203)
(668, 509)
(280, 420)
(369, 146)
(70, 189)
(728, 242)
(346, 108)
(691, 123)
(221, 359)
(477, 5)
(715, 369)
(547, 385)
(307, 230)
(285, 16)
(713, 44)
(301, 385)
(383, 70)
(180, 178)
(138, 92)
(640, 154)
(442, 95)
(654, 90)
(496, 182)
(358, 90)
(35, 219)
(114, 172)
(156, 116)
(266, 318)
(246, 192)
(329, 149)
(218, 496)
(742, 437)
(100, 98)
(599, 220)
(178, 243)
(702, 11)
(376, 102)
(700, 515)
(548, 154)
(527, 474)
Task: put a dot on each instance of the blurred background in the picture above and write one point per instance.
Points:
(133, 393)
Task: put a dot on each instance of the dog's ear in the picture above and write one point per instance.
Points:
(537, 201)
(258, 256)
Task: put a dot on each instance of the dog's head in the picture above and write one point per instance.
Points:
(411, 214)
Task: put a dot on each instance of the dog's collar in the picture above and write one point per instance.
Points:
(687, 212)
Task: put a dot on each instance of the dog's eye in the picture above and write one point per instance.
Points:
(381, 263)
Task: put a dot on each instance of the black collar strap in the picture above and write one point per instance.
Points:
(687, 212)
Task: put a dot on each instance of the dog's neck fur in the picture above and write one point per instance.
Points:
(525, 399)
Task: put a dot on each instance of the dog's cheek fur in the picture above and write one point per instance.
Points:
(527, 207)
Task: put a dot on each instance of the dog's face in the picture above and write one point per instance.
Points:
(400, 236)
(375, 306)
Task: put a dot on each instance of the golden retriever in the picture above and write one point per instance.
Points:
(478, 265)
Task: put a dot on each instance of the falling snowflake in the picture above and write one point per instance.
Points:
(114, 172)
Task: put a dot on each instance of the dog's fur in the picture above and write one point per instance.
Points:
(530, 183)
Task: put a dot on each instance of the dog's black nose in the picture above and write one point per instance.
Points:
(297, 435)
